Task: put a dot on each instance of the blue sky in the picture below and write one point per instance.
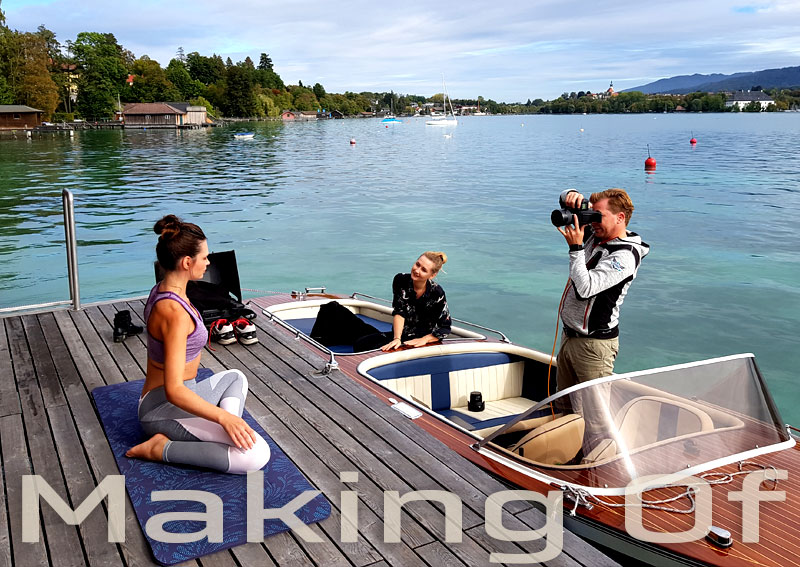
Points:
(508, 52)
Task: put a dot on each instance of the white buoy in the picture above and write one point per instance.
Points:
(352, 141)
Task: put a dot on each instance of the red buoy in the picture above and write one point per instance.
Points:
(650, 162)
(693, 141)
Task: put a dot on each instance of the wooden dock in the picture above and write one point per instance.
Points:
(327, 424)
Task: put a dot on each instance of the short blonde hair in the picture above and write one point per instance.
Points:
(438, 258)
(618, 201)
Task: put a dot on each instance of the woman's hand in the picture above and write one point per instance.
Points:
(237, 429)
(396, 343)
(422, 341)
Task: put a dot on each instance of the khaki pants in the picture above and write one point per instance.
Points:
(580, 360)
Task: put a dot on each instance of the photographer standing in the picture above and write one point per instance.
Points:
(603, 260)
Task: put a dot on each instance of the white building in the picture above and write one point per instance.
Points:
(743, 98)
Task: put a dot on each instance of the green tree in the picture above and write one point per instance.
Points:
(37, 88)
(753, 106)
(207, 70)
(265, 63)
(6, 94)
(150, 83)
(103, 73)
(319, 90)
(200, 101)
(25, 62)
(177, 74)
(240, 97)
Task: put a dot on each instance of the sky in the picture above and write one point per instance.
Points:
(507, 52)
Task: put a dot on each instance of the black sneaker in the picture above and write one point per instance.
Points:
(123, 327)
(222, 332)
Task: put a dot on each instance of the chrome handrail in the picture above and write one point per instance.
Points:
(503, 337)
(72, 263)
(72, 248)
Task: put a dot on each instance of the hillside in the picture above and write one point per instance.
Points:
(682, 84)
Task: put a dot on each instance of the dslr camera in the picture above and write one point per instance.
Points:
(563, 216)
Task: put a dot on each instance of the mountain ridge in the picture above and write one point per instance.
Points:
(784, 77)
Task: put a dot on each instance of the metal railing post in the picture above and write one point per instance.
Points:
(72, 249)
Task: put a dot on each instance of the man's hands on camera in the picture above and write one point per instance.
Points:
(573, 233)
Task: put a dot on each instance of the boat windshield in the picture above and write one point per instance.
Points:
(687, 418)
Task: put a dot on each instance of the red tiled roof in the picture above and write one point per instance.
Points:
(150, 108)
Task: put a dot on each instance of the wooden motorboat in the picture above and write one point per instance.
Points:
(699, 448)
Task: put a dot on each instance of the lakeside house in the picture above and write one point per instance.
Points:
(288, 115)
(13, 116)
(163, 115)
(744, 98)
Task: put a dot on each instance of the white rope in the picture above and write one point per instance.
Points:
(711, 478)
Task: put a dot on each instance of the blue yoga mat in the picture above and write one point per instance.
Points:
(117, 406)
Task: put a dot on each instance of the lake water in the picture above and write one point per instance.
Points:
(303, 207)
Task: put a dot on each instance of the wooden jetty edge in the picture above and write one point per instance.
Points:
(326, 424)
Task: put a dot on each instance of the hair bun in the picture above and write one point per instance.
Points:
(168, 226)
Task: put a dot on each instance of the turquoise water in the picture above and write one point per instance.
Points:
(303, 207)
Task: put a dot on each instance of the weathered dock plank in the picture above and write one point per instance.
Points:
(326, 424)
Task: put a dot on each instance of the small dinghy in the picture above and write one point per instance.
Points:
(244, 135)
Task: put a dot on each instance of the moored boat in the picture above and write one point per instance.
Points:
(244, 135)
(684, 440)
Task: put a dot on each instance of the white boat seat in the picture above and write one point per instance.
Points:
(556, 442)
(605, 449)
(649, 419)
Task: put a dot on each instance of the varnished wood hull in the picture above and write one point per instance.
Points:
(778, 542)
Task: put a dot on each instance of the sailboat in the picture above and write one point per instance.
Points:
(448, 119)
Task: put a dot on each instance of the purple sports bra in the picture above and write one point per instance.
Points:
(194, 342)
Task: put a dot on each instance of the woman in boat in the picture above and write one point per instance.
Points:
(420, 314)
(190, 422)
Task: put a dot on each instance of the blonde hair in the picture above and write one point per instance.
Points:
(439, 259)
(618, 201)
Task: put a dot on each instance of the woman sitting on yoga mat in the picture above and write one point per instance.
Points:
(420, 313)
(191, 423)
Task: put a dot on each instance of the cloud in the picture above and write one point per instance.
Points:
(533, 49)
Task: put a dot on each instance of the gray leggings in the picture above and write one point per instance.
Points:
(197, 441)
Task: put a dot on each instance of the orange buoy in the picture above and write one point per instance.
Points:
(650, 162)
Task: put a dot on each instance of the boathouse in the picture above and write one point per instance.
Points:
(744, 98)
(288, 115)
(194, 114)
(152, 115)
(13, 116)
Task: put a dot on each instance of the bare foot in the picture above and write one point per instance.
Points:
(151, 450)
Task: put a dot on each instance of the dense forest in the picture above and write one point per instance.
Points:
(90, 77)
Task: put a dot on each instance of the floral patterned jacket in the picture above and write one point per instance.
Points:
(427, 315)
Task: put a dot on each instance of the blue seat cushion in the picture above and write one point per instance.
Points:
(439, 367)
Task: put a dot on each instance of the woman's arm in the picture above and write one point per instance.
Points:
(175, 326)
(398, 322)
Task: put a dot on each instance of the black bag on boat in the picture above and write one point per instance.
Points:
(218, 295)
(337, 325)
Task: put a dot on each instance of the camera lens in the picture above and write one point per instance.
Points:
(561, 217)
